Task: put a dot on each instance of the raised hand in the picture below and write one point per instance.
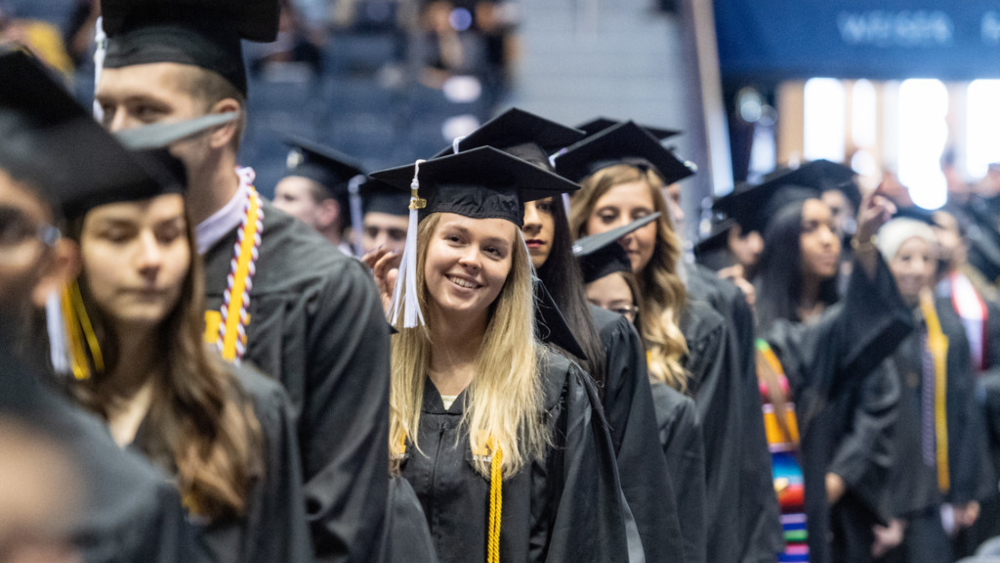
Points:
(385, 267)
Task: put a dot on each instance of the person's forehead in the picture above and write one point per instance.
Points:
(18, 195)
(168, 80)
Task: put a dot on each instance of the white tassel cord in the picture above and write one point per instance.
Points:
(357, 220)
(101, 39)
(404, 294)
(56, 327)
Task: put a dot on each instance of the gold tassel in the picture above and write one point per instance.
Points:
(80, 333)
(496, 502)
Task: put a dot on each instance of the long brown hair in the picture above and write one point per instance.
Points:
(662, 290)
(200, 418)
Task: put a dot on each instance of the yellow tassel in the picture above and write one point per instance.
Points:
(77, 357)
(87, 327)
(937, 343)
(496, 503)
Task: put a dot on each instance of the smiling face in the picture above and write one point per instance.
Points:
(819, 243)
(539, 228)
(620, 206)
(913, 267)
(135, 258)
(467, 263)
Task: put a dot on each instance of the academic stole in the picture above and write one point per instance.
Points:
(227, 327)
(937, 344)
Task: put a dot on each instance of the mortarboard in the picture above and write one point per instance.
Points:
(202, 33)
(600, 255)
(822, 175)
(752, 207)
(520, 133)
(717, 239)
(482, 183)
(599, 124)
(626, 143)
(52, 142)
(330, 168)
(379, 197)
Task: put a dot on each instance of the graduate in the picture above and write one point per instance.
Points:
(497, 434)
(128, 511)
(939, 439)
(611, 285)
(277, 294)
(317, 190)
(622, 171)
(961, 285)
(829, 352)
(610, 349)
(134, 322)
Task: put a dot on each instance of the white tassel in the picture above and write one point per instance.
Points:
(404, 295)
(54, 322)
(357, 221)
(101, 39)
(454, 144)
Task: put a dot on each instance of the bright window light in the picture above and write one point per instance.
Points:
(983, 141)
(825, 119)
(864, 114)
(923, 132)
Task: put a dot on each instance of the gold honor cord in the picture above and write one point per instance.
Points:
(496, 502)
(937, 343)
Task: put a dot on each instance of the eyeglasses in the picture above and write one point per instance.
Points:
(20, 238)
(629, 312)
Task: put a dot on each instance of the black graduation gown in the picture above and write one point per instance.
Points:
(684, 450)
(317, 326)
(714, 383)
(760, 530)
(405, 536)
(826, 363)
(274, 529)
(130, 513)
(914, 484)
(645, 479)
(564, 508)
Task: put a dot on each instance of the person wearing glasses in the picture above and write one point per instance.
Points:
(611, 285)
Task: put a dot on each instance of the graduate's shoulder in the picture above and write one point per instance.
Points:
(700, 322)
(673, 408)
(562, 379)
(295, 258)
(270, 400)
(610, 326)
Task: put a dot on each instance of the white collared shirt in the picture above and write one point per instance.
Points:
(227, 219)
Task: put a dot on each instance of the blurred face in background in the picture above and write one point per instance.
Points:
(746, 249)
(841, 210)
(819, 243)
(620, 206)
(538, 230)
(613, 293)
(913, 267)
(384, 230)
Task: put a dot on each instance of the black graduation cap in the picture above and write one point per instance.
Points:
(822, 175)
(717, 239)
(599, 124)
(752, 207)
(379, 197)
(600, 255)
(481, 183)
(522, 134)
(202, 33)
(330, 168)
(53, 142)
(626, 143)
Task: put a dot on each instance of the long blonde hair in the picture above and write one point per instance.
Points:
(663, 295)
(505, 399)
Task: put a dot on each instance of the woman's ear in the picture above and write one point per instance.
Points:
(62, 266)
(225, 135)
